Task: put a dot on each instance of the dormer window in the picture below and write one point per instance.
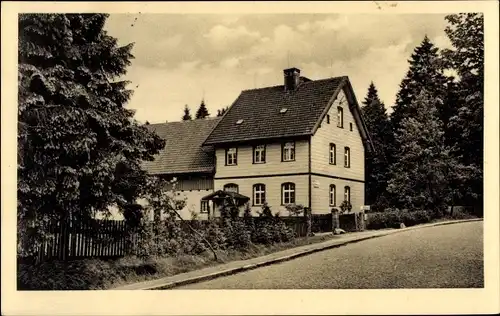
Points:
(288, 151)
(231, 156)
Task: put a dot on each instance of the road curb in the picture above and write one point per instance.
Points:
(247, 267)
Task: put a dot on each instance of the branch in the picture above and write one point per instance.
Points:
(195, 231)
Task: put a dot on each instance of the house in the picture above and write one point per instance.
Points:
(301, 142)
(185, 160)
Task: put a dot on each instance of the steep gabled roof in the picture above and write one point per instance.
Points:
(261, 113)
(183, 152)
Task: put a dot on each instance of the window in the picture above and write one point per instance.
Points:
(347, 157)
(259, 194)
(231, 187)
(333, 154)
(350, 126)
(288, 193)
(328, 119)
(333, 199)
(347, 194)
(205, 206)
(259, 154)
(288, 151)
(340, 117)
(231, 157)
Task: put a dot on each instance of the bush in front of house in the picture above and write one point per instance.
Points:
(286, 233)
(263, 234)
(237, 234)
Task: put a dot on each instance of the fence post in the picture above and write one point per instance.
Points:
(335, 219)
(308, 216)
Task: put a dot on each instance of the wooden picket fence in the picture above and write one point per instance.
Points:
(85, 239)
(110, 239)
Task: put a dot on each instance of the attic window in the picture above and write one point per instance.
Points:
(283, 110)
(238, 122)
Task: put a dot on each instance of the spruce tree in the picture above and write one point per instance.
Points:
(79, 148)
(377, 162)
(187, 114)
(425, 72)
(221, 112)
(202, 111)
(424, 168)
(466, 33)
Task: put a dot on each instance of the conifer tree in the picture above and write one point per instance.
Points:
(221, 112)
(425, 72)
(79, 148)
(424, 168)
(187, 114)
(377, 162)
(202, 111)
(466, 33)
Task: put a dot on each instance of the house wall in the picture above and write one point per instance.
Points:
(273, 190)
(273, 164)
(341, 137)
(320, 203)
(190, 187)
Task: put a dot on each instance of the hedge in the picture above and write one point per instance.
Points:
(394, 218)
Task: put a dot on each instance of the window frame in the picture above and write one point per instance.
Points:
(262, 194)
(347, 157)
(204, 210)
(283, 191)
(283, 145)
(347, 193)
(340, 116)
(332, 186)
(235, 156)
(262, 154)
(229, 185)
(334, 151)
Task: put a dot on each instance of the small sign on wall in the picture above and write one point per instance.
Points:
(365, 207)
(316, 183)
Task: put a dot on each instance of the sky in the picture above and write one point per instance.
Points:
(183, 58)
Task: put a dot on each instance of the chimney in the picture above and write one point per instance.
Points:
(292, 78)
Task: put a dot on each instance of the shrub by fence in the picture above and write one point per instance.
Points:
(393, 218)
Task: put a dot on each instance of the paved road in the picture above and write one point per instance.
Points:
(448, 256)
